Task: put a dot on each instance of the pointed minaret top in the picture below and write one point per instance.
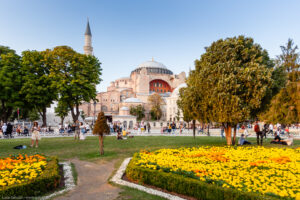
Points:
(88, 29)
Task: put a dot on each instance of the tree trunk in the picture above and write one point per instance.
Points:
(44, 117)
(208, 130)
(194, 128)
(75, 115)
(5, 112)
(101, 144)
(228, 134)
(234, 135)
(62, 121)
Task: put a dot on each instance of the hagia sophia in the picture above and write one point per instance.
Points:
(146, 79)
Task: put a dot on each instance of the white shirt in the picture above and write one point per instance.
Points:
(4, 128)
(271, 127)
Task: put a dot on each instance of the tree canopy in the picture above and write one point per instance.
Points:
(155, 101)
(230, 82)
(37, 86)
(75, 77)
(138, 111)
(10, 82)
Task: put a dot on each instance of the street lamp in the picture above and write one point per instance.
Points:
(94, 112)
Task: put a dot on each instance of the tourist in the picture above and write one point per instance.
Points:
(18, 130)
(173, 127)
(9, 130)
(246, 132)
(76, 126)
(111, 126)
(1, 133)
(289, 141)
(271, 128)
(277, 139)
(242, 140)
(148, 127)
(35, 134)
(4, 129)
(25, 131)
(222, 131)
(119, 135)
(258, 132)
(265, 130)
(82, 131)
(169, 128)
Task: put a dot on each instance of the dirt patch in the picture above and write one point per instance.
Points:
(92, 181)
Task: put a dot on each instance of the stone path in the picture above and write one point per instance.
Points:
(92, 182)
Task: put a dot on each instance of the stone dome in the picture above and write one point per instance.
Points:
(124, 108)
(153, 67)
(132, 100)
(175, 92)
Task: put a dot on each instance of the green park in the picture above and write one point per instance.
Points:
(221, 122)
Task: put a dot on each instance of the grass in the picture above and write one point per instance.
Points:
(66, 148)
(74, 173)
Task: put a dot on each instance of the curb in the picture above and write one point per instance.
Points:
(117, 178)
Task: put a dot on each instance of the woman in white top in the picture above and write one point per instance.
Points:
(35, 134)
(82, 131)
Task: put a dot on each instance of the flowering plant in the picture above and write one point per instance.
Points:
(20, 169)
(267, 171)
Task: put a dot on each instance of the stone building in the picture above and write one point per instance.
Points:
(146, 79)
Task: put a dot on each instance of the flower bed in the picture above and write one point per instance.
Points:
(244, 172)
(27, 176)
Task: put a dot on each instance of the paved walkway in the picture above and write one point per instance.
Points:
(92, 182)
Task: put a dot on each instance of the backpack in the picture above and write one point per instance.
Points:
(256, 128)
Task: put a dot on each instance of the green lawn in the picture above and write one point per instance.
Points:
(66, 148)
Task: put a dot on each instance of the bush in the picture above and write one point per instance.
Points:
(47, 181)
(187, 186)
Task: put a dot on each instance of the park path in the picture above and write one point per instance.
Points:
(92, 181)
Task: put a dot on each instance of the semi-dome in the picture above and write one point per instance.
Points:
(153, 67)
(175, 92)
(132, 100)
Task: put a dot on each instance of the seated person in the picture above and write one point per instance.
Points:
(289, 141)
(25, 131)
(277, 139)
(119, 135)
(242, 140)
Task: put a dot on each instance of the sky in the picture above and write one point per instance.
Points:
(126, 33)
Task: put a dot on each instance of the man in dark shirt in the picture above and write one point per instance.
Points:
(277, 139)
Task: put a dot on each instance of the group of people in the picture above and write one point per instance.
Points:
(7, 130)
(262, 130)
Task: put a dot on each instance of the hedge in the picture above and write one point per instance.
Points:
(187, 186)
(47, 181)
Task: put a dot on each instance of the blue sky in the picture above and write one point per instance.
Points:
(129, 32)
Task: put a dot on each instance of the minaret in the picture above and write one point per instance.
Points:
(88, 49)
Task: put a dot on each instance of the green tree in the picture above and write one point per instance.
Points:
(285, 106)
(184, 104)
(37, 84)
(10, 82)
(138, 111)
(75, 77)
(33, 115)
(101, 128)
(62, 110)
(230, 83)
(155, 101)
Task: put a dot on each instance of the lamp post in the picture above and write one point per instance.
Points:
(94, 112)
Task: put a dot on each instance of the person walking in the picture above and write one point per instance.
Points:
(35, 134)
(173, 127)
(271, 128)
(9, 130)
(148, 127)
(222, 131)
(4, 129)
(82, 131)
(259, 133)
(77, 129)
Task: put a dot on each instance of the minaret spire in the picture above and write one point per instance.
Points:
(88, 49)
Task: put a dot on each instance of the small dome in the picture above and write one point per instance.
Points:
(124, 108)
(175, 92)
(133, 100)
